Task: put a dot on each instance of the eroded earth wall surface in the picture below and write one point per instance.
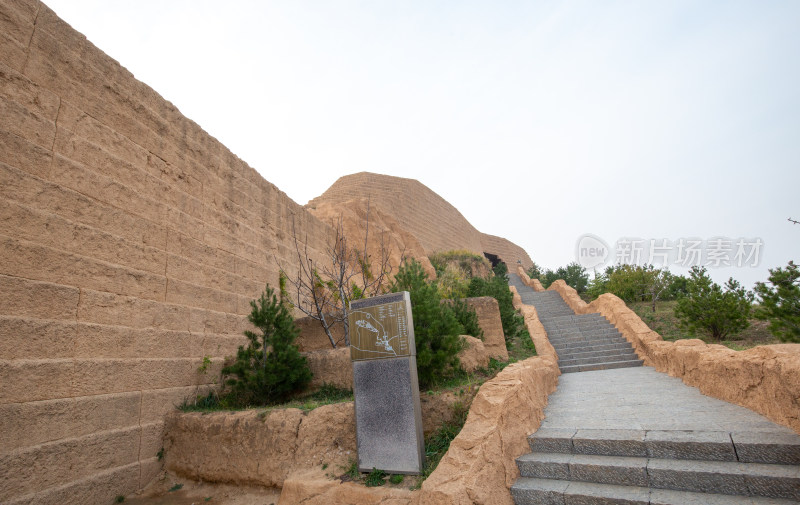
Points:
(430, 218)
(131, 243)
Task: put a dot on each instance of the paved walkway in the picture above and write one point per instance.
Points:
(644, 399)
(638, 436)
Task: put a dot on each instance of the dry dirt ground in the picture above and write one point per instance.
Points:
(166, 491)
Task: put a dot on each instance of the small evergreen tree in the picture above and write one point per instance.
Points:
(497, 288)
(780, 303)
(436, 329)
(573, 274)
(706, 307)
(270, 368)
(467, 317)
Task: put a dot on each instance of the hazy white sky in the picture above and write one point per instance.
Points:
(540, 121)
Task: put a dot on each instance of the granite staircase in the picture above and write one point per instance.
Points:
(583, 342)
(625, 434)
(634, 467)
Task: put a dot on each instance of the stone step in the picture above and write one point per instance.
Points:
(745, 447)
(581, 321)
(579, 326)
(733, 478)
(580, 343)
(576, 318)
(543, 316)
(585, 360)
(584, 334)
(549, 304)
(547, 313)
(581, 332)
(595, 345)
(583, 329)
(531, 491)
(577, 346)
(585, 354)
(601, 366)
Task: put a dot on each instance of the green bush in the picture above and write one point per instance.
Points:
(452, 282)
(436, 329)
(270, 368)
(707, 308)
(634, 283)
(466, 260)
(573, 274)
(467, 317)
(497, 287)
(780, 303)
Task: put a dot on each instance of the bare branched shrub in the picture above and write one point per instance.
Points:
(323, 290)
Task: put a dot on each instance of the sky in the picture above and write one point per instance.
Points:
(673, 124)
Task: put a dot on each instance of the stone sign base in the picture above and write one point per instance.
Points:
(388, 418)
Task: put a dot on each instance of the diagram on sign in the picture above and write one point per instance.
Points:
(379, 332)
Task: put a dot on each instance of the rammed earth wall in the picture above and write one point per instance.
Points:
(131, 243)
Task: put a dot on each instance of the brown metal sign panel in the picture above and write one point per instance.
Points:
(381, 327)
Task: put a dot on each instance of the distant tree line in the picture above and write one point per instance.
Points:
(703, 306)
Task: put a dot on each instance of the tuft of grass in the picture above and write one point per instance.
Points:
(119, 499)
(375, 478)
(325, 395)
(438, 442)
(175, 487)
(351, 472)
(396, 478)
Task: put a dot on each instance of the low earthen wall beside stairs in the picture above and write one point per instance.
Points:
(480, 466)
(765, 379)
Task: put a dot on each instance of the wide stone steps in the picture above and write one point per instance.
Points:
(604, 365)
(582, 336)
(555, 333)
(658, 467)
(573, 341)
(590, 347)
(583, 342)
(605, 358)
(529, 491)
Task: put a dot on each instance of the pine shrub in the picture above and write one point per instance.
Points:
(497, 287)
(436, 329)
(467, 317)
(269, 368)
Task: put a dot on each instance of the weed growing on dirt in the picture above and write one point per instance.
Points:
(375, 478)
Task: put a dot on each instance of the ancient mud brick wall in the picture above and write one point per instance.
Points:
(488, 311)
(428, 216)
(131, 243)
(438, 225)
(507, 251)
